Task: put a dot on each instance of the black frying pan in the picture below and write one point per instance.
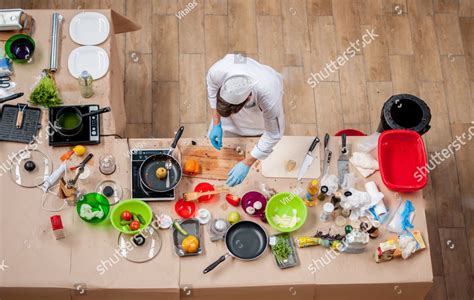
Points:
(149, 166)
(244, 240)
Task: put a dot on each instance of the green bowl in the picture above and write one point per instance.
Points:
(133, 206)
(97, 202)
(285, 203)
(15, 41)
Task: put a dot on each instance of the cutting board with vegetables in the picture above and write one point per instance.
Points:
(291, 148)
(213, 164)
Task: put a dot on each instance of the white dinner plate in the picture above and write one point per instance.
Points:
(89, 28)
(92, 59)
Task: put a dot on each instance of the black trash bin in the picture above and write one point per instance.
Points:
(405, 111)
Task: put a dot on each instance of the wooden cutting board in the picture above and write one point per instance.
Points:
(292, 148)
(214, 164)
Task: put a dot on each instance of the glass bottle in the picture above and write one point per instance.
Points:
(85, 84)
(311, 193)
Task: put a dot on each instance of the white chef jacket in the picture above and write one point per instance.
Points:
(263, 114)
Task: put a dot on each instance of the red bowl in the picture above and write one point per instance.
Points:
(350, 132)
(185, 209)
(402, 160)
(205, 187)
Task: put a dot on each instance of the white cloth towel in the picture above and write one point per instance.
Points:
(364, 163)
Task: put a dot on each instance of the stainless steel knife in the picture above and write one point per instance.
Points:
(308, 159)
(327, 155)
(343, 161)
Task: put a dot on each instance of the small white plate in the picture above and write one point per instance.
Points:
(92, 59)
(89, 28)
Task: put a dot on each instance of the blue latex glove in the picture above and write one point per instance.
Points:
(408, 209)
(216, 136)
(237, 174)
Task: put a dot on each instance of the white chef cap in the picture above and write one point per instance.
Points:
(237, 88)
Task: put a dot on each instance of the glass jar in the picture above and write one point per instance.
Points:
(85, 84)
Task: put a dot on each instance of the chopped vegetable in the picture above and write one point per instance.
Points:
(87, 213)
(287, 221)
(232, 200)
(45, 93)
(282, 249)
(179, 228)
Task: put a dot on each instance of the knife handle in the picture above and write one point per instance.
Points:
(328, 161)
(344, 141)
(326, 141)
(313, 144)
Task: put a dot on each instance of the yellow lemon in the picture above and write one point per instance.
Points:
(79, 150)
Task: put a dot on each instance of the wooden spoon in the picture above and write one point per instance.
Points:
(192, 196)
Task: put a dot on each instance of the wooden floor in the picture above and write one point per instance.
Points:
(424, 47)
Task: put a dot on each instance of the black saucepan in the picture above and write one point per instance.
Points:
(69, 119)
(244, 240)
(150, 165)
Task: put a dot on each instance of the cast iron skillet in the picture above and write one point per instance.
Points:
(151, 164)
(244, 240)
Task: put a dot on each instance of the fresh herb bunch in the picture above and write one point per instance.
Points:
(46, 93)
(282, 249)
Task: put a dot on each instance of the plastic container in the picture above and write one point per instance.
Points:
(402, 156)
(283, 204)
(350, 132)
(405, 111)
(185, 209)
(97, 202)
(205, 187)
(133, 206)
(249, 201)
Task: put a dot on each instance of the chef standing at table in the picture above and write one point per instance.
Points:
(246, 99)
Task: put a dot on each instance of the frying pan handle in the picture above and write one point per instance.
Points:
(97, 112)
(178, 135)
(215, 264)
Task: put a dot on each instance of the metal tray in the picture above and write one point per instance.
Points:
(292, 260)
(192, 227)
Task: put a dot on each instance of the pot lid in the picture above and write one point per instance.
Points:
(30, 168)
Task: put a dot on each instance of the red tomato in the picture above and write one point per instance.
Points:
(126, 215)
(135, 225)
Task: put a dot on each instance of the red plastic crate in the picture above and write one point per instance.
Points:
(401, 157)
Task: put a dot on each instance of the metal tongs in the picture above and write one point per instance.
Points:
(80, 169)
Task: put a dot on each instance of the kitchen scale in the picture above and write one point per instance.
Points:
(138, 190)
(88, 135)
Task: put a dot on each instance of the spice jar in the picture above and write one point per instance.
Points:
(326, 213)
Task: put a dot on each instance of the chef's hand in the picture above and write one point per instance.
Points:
(239, 171)
(216, 136)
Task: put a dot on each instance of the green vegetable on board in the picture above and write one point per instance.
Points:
(282, 249)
